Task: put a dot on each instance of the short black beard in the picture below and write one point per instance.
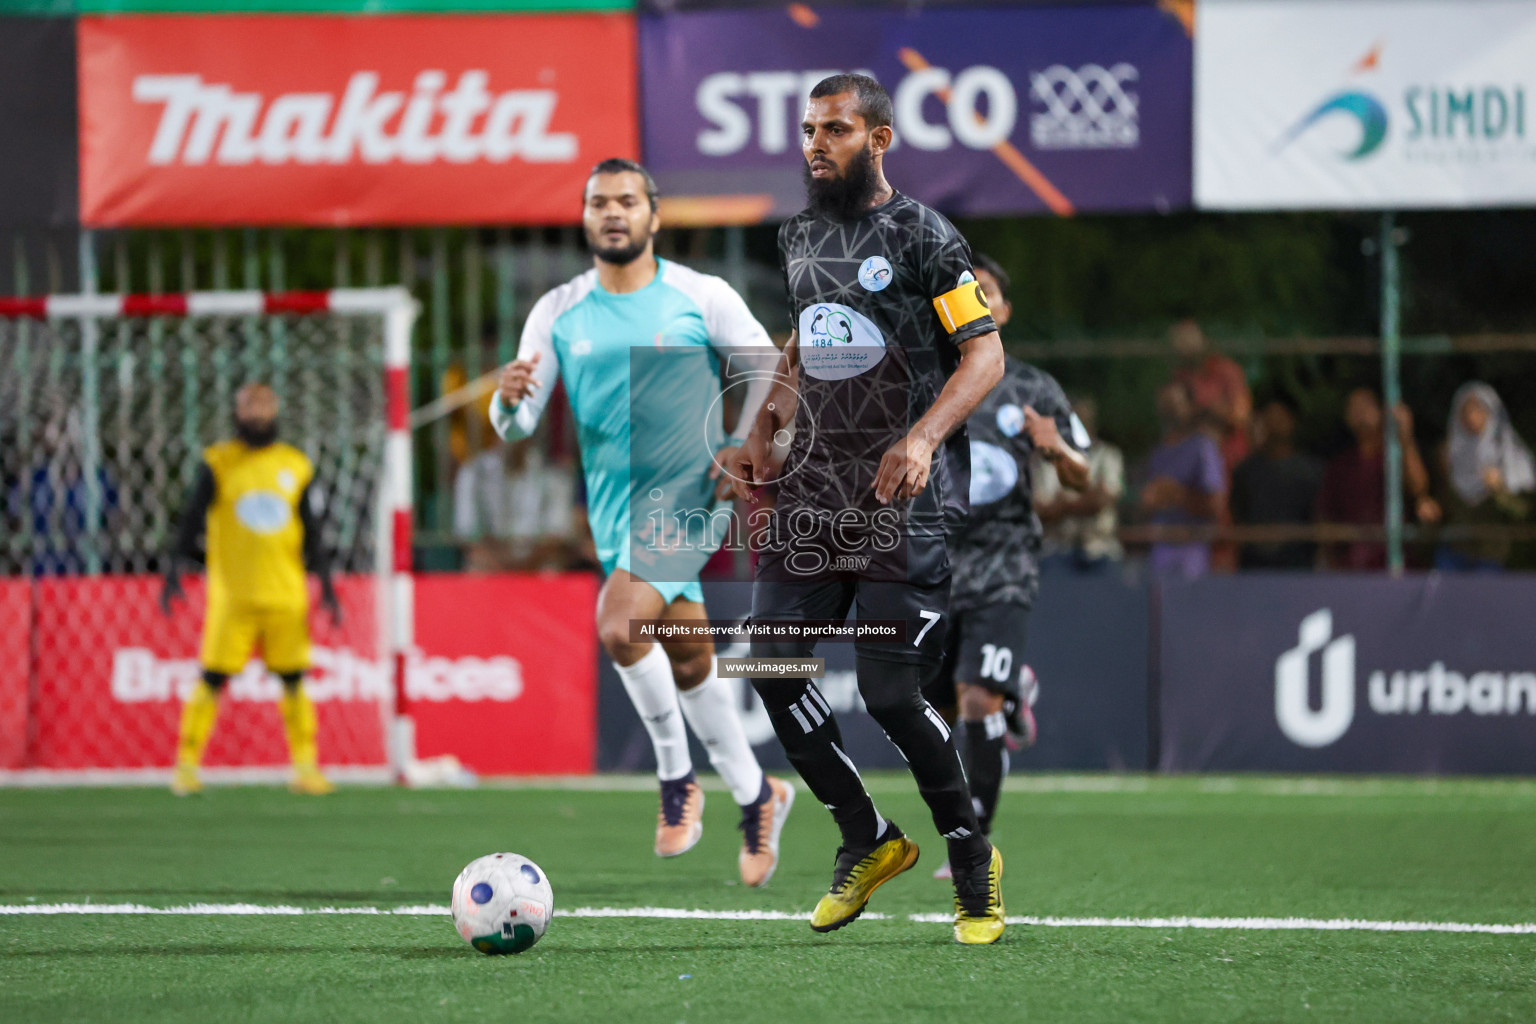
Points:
(256, 435)
(846, 197)
(621, 257)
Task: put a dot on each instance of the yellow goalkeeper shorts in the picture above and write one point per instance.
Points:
(232, 634)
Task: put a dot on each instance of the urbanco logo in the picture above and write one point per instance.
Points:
(1301, 723)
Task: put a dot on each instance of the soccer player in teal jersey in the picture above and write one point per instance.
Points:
(639, 344)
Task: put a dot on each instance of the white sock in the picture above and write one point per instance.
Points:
(654, 695)
(715, 720)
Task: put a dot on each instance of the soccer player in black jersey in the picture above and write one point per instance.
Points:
(893, 348)
(996, 574)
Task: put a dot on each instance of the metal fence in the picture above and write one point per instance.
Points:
(476, 286)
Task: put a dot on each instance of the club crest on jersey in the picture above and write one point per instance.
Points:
(1010, 420)
(994, 473)
(837, 342)
(581, 347)
(263, 511)
(876, 273)
(287, 481)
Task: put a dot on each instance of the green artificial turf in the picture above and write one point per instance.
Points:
(1106, 847)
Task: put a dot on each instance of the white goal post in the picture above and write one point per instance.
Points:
(106, 403)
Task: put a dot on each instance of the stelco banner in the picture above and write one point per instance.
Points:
(996, 111)
(1375, 103)
(1331, 673)
(335, 120)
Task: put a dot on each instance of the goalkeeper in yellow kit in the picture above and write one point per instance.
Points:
(253, 494)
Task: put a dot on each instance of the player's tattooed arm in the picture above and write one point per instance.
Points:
(1071, 467)
(904, 468)
(751, 465)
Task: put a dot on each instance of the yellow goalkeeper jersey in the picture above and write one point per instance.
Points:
(255, 536)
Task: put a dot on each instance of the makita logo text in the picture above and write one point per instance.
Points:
(203, 122)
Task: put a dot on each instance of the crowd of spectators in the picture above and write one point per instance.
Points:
(1221, 472)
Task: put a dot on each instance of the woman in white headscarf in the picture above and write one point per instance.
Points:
(1491, 475)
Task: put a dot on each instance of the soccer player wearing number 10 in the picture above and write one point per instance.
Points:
(996, 574)
(894, 347)
(638, 342)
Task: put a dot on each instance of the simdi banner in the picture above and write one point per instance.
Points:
(1306, 673)
(1005, 110)
(1368, 104)
(334, 120)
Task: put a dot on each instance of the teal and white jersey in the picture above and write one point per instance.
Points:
(643, 374)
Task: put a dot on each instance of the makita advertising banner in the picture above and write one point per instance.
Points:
(39, 173)
(1092, 705)
(997, 111)
(336, 120)
(1369, 104)
(1351, 674)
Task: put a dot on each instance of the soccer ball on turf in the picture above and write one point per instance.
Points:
(502, 903)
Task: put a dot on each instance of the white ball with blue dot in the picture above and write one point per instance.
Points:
(502, 903)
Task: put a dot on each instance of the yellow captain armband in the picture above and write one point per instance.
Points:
(965, 304)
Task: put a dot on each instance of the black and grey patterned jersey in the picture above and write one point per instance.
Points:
(993, 554)
(881, 304)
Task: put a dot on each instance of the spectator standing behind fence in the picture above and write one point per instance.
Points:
(1355, 482)
(1217, 386)
(1489, 474)
(1082, 527)
(512, 510)
(1186, 483)
(1276, 485)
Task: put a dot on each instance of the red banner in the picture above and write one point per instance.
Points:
(15, 631)
(334, 120)
(110, 672)
(506, 673)
(504, 676)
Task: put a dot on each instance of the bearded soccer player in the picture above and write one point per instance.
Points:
(254, 494)
(994, 556)
(893, 349)
(638, 343)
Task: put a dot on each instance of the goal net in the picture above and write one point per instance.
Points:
(106, 406)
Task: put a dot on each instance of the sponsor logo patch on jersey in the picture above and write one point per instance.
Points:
(837, 342)
(1080, 434)
(994, 473)
(1010, 420)
(876, 273)
(263, 511)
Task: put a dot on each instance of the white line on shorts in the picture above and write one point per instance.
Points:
(1263, 924)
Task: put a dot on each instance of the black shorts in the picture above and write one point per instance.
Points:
(984, 647)
(923, 610)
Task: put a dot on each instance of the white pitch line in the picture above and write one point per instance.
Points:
(1279, 924)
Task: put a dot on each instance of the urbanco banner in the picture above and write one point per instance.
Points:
(338, 121)
(1315, 104)
(1294, 672)
(997, 111)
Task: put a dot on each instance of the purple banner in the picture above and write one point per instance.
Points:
(1330, 673)
(997, 111)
